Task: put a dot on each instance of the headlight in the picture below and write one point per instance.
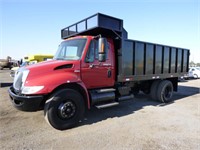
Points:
(31, 89)
(20, 79)
(25, 75)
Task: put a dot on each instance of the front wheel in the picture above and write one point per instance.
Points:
(64, 109)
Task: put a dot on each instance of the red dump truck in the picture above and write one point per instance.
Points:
(96, 65)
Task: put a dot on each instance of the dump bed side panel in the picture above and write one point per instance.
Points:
(144, 61)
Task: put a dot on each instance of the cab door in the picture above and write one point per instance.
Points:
(96, 74)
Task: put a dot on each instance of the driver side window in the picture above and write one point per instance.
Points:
(91, 52)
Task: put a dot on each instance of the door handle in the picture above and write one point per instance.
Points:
(91, 66)
(109, 73)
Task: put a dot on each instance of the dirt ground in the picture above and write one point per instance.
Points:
(136, 124)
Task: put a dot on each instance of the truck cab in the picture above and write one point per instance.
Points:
(97, 65)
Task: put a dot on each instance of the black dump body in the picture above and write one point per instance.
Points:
(136, 60)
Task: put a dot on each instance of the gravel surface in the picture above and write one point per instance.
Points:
(136, 124)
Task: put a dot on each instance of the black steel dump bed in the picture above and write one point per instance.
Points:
(144, 61)
(136, 60)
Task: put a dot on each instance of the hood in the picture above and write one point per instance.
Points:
(51, 74)
(49, 66)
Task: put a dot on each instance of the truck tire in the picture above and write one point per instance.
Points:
(165, 91)
(154, 89)
(64, 109)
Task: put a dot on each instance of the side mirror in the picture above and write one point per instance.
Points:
(102, 49)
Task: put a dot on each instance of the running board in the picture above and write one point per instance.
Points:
(107, 105)
(105, 90)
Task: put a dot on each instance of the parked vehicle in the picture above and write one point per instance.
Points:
(6, 63)
(31, 59)
(194, 72)
(97, 65)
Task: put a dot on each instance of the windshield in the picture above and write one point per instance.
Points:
(70, 49)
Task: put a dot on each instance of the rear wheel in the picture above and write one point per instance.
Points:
(154, 89)
(64, 109)
(165, 91)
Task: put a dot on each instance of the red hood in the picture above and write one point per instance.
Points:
(53, 73)
(49, 66)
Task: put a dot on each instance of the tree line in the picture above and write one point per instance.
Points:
(193, 64)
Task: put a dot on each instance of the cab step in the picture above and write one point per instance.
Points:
(105, 90)
(107, 105)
